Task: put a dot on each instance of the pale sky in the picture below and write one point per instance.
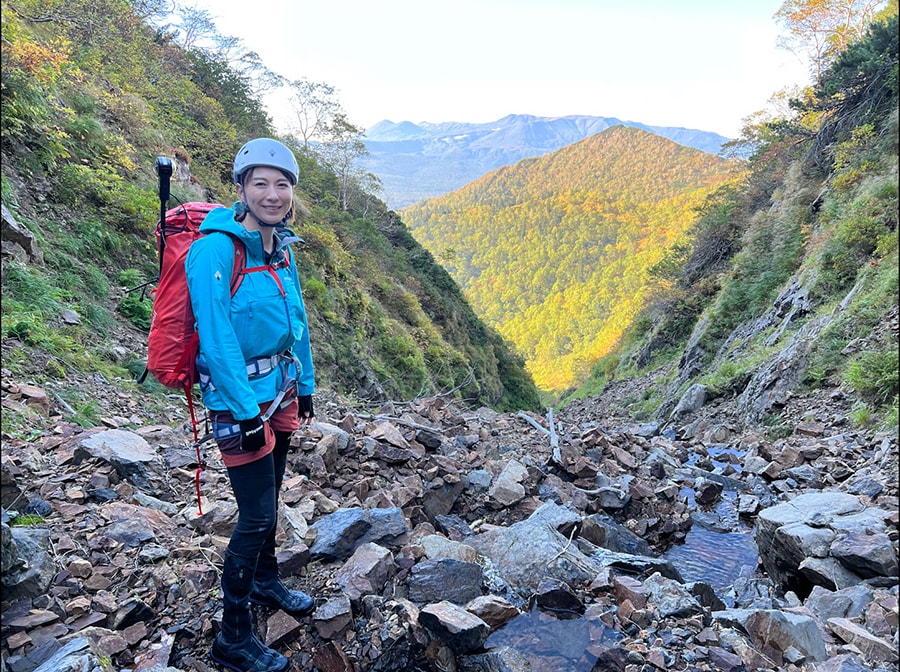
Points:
(700, 64)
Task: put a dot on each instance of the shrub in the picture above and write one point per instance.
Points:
(874, 375)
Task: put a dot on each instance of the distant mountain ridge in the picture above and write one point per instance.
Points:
(420, 161)
(553, 251)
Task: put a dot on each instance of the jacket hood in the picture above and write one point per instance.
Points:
(222, 219)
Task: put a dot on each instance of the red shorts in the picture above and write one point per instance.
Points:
(283, 420)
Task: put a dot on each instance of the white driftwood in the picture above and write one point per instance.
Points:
(556, 458)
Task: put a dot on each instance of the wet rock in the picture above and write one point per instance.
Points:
(602, 530)
(638, 565)
(707, 491)
(558, 596)
(500, 659)
(492, 609)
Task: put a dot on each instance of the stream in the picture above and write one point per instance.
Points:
(719, 549)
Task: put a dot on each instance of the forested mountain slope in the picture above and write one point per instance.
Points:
(87, 106)
(553, 251)
(787, 283)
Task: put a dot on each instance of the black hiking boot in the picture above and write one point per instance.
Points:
(269, 591)
(237, 647)
(250, 655)
(274, 594)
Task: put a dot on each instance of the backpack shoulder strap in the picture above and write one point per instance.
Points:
(239, 269)
(239, 265)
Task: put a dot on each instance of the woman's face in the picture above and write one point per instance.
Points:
(268, 194)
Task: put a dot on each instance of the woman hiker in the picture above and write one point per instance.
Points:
(256, 378)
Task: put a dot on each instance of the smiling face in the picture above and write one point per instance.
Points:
(268, 194)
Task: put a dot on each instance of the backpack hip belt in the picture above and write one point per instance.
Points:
(257, 368)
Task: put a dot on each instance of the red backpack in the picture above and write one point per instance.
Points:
(173, 342)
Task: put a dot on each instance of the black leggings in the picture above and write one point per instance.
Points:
(256, 486)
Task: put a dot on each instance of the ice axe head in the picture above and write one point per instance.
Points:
(164, 170)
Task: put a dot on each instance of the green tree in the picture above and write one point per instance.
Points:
(340, 151)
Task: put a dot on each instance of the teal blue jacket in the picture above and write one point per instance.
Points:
(257, 322)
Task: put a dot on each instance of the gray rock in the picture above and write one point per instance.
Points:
(499, 659)
(366, 572)
(333, 617)
(873, 648)
(445, 579)
(847, 602)
(789, 533)
(556, 595)
(492, 609)
(775, 631)
(601, 530)
(691, 401)
(386, 527)
(725, 661)
(436, 546)
(338, 534)
(868, 555)
(529, 551)
(28, 568)
(639, 565)
(440, 496)
(131, 533)
(133, 458)
(478, 480)
(18, 242)
(507, 488)
(671, 598)
(845, 662)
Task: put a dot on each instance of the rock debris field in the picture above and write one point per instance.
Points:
(439, 538)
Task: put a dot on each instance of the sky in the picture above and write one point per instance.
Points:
(699, 64)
